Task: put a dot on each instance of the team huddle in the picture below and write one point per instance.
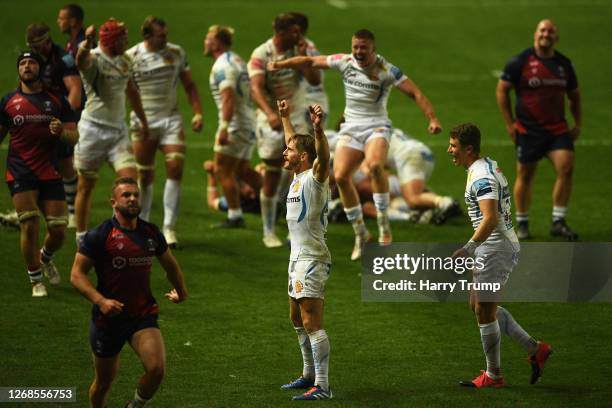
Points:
(68, 117)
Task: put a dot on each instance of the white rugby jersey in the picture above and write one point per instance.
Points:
(156, 73)
(366, 90)
(486, 181)
(402, 148)
(281, 84)
(105, 83)
(307, 205)
(230, 71)
(315, 94)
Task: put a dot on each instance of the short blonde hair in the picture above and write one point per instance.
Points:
(225, 34)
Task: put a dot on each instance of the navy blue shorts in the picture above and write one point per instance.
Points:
(64, 150)
(48, 190)
(107, 336)
(531, 146)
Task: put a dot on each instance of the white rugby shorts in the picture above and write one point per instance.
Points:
(99, 143)
(307, 279)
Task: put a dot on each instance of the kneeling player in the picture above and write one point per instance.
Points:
(310, 260)
(496, 245)
(121, 250)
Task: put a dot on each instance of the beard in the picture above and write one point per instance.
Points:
(29, 81)
(129, 212)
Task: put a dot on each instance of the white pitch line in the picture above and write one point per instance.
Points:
(339, 4)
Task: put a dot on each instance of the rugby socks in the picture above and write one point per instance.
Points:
(70, 188)
(320, 353)
(522, 217)
(234, 214)
(35, 275)
(138, 401)
(172, 198)
(309, 369)
(355, 217)
(146, 200)
(443, 203)
(558, 214)
(45, 255)
(381, 202)
(79, 237)
(268, 212)
(512, 329)
(490, 336)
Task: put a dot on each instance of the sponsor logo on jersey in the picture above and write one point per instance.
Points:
(18, 120)
(119, 262)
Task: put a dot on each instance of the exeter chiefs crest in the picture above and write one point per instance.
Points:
(296, 186)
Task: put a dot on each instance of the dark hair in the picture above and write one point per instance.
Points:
(468, 135)
(36, 32)
(284, 22)
(364, 34)
(75, 11)
(305, 143)
(122, 180)
(301, 20)
(147, 26)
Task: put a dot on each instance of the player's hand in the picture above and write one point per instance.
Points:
(90, 35)
(301, 47)
(197, 123)
(574, 133)
(274, 121)
(316, 115)
(55, 127)
(144, 131)
(175, 297)
(434, 126)
(110, 307)
(512, 131)
(271, 66)
(223, 137)
(283, 108)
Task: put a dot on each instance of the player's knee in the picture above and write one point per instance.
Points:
(565, 171)
(343, 179)
(376, 168)
(28, 221)
(413, 200)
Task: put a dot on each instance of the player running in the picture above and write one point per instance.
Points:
(157, 67)
(37, 120)
(367, 78)
(496, 245)
(310, 260)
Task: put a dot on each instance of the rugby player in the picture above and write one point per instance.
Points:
(310, 260)
(37, 120)
(70, 21)
(268, 87)
(367, 78)
(157, 67)
(235, 139)
(106, 73)
(121, 250)
(541, 77)
(495, 243)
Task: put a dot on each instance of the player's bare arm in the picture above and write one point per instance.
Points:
(412, 90)
(131, 91)
(258, 94)
(312, 75)
(67, 132)
(83, 56)
(284, 111)
(490, 218)
(300, 62)
(575, 106)
(175, 277)
(191, 90)
(73, 85)
(79, 280)
(502, 93)
(227, 112)
(320, 167)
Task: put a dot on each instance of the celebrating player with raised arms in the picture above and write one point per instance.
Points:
(367, 78)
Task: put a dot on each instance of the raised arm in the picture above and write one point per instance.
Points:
(575, 106)
(191, 90)
(320, 167)
(300, 62)
(131, 91)
(80, 281)
(412, 90)
(175, 277)
(83, 56)
(258, 94)
(502, 94)
(312, 75)
(285, 110)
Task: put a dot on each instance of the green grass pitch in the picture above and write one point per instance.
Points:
(232, 344)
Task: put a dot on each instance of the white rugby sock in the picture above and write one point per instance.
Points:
(146, 200)
(172, 200)
(268, 212)
(308, 370)
(355, 217)
(35, 276)
(138, 401)
(522, 216)
(234, 214)
(490, 337)
(512, 329)
(558, 213)
(70, 188)
(320, 353)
